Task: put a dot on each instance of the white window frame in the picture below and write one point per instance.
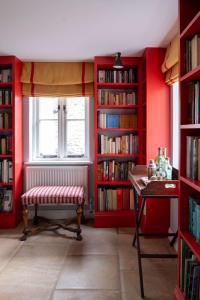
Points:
(175, 125)
(33, 134)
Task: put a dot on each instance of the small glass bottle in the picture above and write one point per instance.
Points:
(151, 169)
(168, 169)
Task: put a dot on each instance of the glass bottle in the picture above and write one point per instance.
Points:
(151, 169)
(168, 169)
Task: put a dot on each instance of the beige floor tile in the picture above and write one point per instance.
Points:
(8, 248)
(25, 293)
(86, 295)
(95, 241)
(90, 272)
(32, 273)
(157, 285)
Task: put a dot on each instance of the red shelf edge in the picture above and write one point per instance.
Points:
(190, 241)
(195, 184)
(117, 129)
(191, 75)
(192, 23)
(131, 106)
(178, 294)
(190, 126)
(125, 182)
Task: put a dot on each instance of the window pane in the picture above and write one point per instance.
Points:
(48, 138)
(75, 108)
(48, 108)
(75, 138)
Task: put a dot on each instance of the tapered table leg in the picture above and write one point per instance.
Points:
(138, 244)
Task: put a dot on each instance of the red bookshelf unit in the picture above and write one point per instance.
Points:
(118, 138)
(189, 243)
(11, 139)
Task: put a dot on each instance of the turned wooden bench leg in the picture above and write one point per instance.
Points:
(26, 230)
(79, 212)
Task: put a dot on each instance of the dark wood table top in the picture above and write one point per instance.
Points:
(153, 188)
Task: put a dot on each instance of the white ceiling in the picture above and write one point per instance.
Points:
(67, 30)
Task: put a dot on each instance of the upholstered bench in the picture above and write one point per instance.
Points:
(49, 195)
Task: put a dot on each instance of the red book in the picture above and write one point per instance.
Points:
(126, 199)
(119, 198)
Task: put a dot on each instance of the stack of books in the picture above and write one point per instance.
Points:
(6, 75)
(194, 102)
(192, 157)
(5, 200)
(115, 199)
(117, 120)
(189, 273)
(192, 53)
(114, 170)
(117, 76)
(116, 97)
(194, 216)
(125, 144)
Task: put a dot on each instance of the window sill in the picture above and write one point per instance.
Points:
(57, 163)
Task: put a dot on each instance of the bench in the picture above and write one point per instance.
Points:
(49, 195)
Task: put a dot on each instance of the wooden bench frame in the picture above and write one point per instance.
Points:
(40, 224)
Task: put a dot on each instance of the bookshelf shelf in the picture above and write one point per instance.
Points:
(118, 100)
(117, 129)
(195, 184)
(117, 106)
(11, 142)
(6, 155)
(117, 155)
(178, 294)
(192, 28)
(192, 244)
(192, 75)
(189, 18)
(190, 126)
(114, 182)
(6, 84)
(117, 85)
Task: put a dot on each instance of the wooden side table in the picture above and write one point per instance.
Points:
(151, 190)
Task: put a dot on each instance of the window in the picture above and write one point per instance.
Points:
(175, 124)
(60, 128)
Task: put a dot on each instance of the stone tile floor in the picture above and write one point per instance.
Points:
(103, 266)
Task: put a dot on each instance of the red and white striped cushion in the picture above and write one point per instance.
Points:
(54, 195)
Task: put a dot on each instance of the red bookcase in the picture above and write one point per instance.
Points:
(11, 139)
(189, 18)
(118, 127)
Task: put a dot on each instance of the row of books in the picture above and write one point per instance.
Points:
(6, 75)
(193, 157)
(5, 96)
(125, 144)
(192, 53)
(116, 97)
(194, 216)
(6, 171)
(117, 120)
(115, 199)
(5, 120)
(194, 102)
(113, 170)
(117, 76)
(6, 144)
(5, 200)
(189, 273)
